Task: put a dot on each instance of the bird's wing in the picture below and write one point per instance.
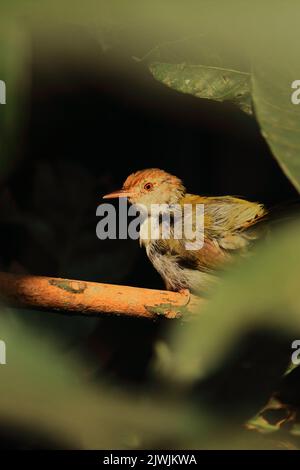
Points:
(234, 223)
(230, 226)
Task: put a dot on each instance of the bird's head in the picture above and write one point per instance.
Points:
(152, 186)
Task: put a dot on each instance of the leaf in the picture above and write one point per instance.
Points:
(272, 417)
(278, 117)
(215, 83)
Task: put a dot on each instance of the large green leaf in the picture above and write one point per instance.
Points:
(278, 117)
(216, 83)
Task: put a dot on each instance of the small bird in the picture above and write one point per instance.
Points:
(231, 225)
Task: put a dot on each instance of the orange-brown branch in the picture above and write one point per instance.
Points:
(91, 298)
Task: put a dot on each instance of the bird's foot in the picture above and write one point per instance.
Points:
(186, 293)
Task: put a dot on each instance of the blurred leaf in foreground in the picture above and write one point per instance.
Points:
(262, 292)
(14, 70)
(43, 391)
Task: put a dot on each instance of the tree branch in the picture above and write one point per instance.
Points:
(91, 298)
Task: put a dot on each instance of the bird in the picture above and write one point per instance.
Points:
(231, 227)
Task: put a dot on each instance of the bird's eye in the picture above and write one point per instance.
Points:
(148, 186)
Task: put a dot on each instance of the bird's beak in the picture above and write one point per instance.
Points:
(119, 193)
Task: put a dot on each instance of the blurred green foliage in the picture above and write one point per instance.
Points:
(42, 390)
(14, 71)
